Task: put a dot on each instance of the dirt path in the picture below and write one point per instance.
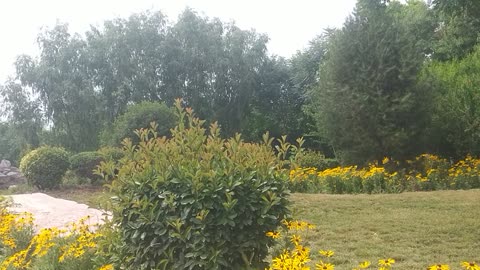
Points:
(52, 212)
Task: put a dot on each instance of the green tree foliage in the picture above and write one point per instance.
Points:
(304, 74)
(44, 167)
(59, 80)
(213, 66)
(84, 83)
(195, 200)
(127, 61)
(459, 28)
(456, 111)
(277, 105)
(360, 81)
(23, 114)
(368, 104)
(136, 117)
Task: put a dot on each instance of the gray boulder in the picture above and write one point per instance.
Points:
(10, 176)
(5, 164)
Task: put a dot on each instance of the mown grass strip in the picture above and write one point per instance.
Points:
(417, 229)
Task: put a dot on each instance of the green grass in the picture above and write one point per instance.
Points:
(416, 229)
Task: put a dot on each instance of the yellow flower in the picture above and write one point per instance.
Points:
(385, 160)
(439, 267)
(326, 253)
(470, 266)
(324, 266)
(106, 267)
(364, 264)
(295, 239)
(386, 262)
(273, 235)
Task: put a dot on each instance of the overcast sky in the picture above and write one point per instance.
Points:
(289, 24)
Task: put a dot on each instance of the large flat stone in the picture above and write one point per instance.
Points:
(52, 212)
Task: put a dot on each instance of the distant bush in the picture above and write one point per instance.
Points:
(197, 201)
(111, 153)
(136, 117)
(83, 164)
(310, 158)
(44, 167)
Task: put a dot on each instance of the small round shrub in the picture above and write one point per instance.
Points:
(44, 167)
(83, 164)
(136, 117)
(111, 153)
(310, 158)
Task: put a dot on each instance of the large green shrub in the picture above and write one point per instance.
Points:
(197, 201)
(136, 117)
(44, 167)
(84, 163)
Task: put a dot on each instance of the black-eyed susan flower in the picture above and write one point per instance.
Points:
(470, 266)
(295, 239)
(386, 262)
(106, 267)
(324, 266)
(273, 234)
(326, 253)
(364, 264)
(385, 160)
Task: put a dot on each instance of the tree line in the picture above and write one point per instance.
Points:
(397, 79)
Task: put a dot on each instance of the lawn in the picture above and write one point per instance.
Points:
(416, 229)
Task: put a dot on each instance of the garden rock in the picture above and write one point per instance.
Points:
(10, 175)
(5, 164)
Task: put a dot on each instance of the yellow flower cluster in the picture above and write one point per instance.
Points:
(425, 172)
(300, 174)
(298, 225)
(77, 241)
(83, 240)
(11, 223)
(297, 257)
(467, 167)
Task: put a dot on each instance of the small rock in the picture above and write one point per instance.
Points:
(5, 164)
(12, 173)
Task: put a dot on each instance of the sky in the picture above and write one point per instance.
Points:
(289, 24)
